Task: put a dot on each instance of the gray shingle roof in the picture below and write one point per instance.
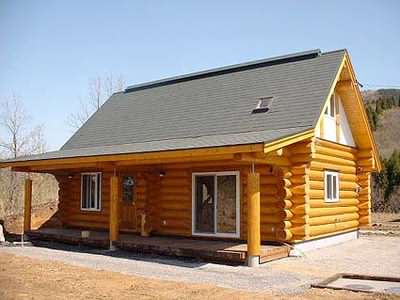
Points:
(210, 108)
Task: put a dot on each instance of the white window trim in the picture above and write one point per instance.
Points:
(99, 196)
(216, 174)
(336, 174)
(328, 108)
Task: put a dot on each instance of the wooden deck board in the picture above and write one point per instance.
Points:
(210, 250)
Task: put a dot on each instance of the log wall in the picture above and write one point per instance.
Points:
(167, 200)
(328, 218)
(70, 201)
(293, 206)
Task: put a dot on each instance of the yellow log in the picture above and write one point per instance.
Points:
(253, 215)
(364, 153)
(300, 158)
(366, 162)
(344, 185)
(299, 190)
(299, 220)
(317, 203)
(328, 144)
(364, 205)
(299, 199)
(287, 204)
(28, 205)
(318, 175)
(320, 194)
(315, 165)
(302, 230)
(301, 148)
(114, 209)
(330, 211)
(299, 179)
(335, 153)
(365, 220)
(299, 170)
(333, 219)
(284, 235)
(330, 228)
(333, 160)
(301, 209)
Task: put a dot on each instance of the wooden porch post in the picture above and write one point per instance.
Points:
(253, 220)
(28, 205)
(114, 210)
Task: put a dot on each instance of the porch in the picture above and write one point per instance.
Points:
(239, 200)
(222, 251)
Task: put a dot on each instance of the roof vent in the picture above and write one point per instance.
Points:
(263, 105)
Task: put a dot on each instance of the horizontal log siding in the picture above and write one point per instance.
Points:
(272, 208)
(329, 218)
(169, 200)
(70, 202)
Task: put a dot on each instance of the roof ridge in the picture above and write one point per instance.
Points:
(227, 69)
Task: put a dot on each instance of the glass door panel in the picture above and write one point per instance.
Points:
(205, 204)
(226, 204)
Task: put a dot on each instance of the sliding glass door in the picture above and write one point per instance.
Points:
(216, 204)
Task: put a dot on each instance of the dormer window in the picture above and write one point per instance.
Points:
(263, 105)
(331, 107)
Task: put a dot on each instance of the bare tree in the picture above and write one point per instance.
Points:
(17, 138)
(100, 89)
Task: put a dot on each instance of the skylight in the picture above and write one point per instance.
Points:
(263, 105)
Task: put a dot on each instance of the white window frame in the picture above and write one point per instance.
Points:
(328, 111)
(97, 188)
(332, 174)
(216, 174)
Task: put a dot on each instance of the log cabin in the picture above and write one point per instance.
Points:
(273, 150)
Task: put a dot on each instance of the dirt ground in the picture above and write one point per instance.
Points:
(386, 223)
(27, 278)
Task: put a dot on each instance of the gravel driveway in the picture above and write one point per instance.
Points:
(373, 255)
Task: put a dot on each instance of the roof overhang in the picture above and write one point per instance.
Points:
(345, 83)
(116, 160)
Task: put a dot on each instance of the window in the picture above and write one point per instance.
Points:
(331, 186)
(91, 191)
(216, 210)
(128, 188)
(263, 105)
(331, 108)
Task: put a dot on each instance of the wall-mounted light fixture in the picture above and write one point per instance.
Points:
(162, 173)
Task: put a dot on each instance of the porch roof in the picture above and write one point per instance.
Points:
(165, 145)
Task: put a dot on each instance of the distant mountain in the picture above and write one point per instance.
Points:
(373, 95)
(385, 103)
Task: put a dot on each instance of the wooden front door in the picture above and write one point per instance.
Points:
(128, 202)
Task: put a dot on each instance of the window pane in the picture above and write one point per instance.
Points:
(329, 186)
(91, 189)
(332, 103)
(204, 204)
(98, 197)
(334, 187)
(128, 184)
(84, 192)
(226, 204)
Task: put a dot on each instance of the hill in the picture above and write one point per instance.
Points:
(383, 107)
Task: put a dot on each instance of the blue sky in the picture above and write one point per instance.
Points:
(50, 49)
